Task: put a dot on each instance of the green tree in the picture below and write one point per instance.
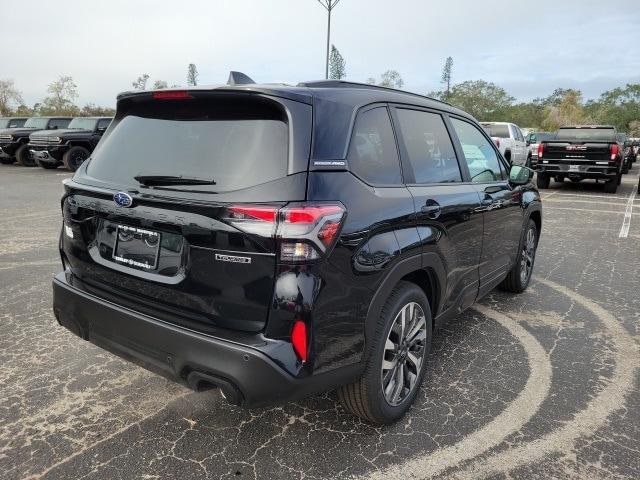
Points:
(62, 94)
(337, 65)
(141, 82)
(619, 107)
(484, 100)
(446, 76)
(9, 95)
(391, 79)
(92, 110)
(192, 75)
(566, 110)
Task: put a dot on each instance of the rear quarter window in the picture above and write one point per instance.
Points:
(586, 134)
(373, 155)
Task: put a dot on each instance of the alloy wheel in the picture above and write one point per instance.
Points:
(528, 255)
(404, 353)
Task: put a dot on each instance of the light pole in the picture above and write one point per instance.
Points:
(328, 5)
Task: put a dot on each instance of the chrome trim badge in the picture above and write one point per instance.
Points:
(232, 258)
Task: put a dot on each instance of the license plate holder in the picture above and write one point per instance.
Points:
(136, 247)
(574, 168)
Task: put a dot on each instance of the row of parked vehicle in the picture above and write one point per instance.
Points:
(574, 152)
(50, 142)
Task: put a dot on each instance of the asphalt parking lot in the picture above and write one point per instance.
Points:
(544, 384)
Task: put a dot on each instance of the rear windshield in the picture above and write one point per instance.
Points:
(238, 146)
(586, 134)
(500, 131)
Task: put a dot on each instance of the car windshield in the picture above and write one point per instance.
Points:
(238, 153)
(36, 122)
(496, 130)
(586, 134)
(83, 123)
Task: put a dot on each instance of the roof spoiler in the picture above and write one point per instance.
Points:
(239, 78)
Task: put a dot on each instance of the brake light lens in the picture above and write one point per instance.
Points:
(172, 95)
(614, 149)
(304, 231)
(299, 340)
(497, 142)
(540, 150)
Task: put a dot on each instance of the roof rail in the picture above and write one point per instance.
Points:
(239, 78)
(346, 84)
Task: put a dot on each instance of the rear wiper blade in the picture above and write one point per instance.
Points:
(173, 180)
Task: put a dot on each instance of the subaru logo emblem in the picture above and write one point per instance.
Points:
(123, 199)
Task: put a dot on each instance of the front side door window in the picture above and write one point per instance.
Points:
(479, 154)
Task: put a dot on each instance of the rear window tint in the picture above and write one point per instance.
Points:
(429, 147)
(373, 155)
(586, 134)
(236, 146)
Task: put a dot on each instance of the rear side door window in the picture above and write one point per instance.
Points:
(59, 122)
(103, 124)
(429, 150)
(373, 155)
(479, 154)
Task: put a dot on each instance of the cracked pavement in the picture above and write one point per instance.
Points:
(542, 384)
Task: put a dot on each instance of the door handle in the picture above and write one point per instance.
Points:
(432, 209)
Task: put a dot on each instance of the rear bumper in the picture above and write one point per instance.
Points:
(583, 171)
(245, 375)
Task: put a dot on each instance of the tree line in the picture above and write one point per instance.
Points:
(486, 101)
(62, 94)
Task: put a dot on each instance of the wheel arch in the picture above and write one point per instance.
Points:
(427, 271)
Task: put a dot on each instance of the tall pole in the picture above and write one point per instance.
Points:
(326, 68)
(328, 5)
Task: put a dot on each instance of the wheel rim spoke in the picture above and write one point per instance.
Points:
(403, 356)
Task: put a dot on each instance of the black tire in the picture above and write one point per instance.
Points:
(611, 186)
(23, 157)
(560, 179)
(528, 162)
(543, 181)
(74, 157)
(507, 157)
(7, 160)
(520, 275)
(47, 165)
(366, 397)
(625, 167)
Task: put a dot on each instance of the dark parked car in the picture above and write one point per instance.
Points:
(275, 241)
(14, 141)
(70, 146)
(581, 152)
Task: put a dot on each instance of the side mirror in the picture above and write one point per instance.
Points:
(528, 143)
(519, 175)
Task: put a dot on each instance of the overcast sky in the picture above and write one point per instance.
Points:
(527, 47)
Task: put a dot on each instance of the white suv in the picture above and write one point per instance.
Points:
(509, 140)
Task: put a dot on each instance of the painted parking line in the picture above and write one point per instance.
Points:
(587, 195)
(590, 210)
(557, 200)
(626, 222)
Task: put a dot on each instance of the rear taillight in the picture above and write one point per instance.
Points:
(172, 95)
(614, 150)
(299, 340)
(540, 150)
(497, 142)
(305, 231)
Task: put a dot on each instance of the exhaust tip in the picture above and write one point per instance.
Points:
(200, 382)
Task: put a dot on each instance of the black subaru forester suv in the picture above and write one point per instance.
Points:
(276, 241)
